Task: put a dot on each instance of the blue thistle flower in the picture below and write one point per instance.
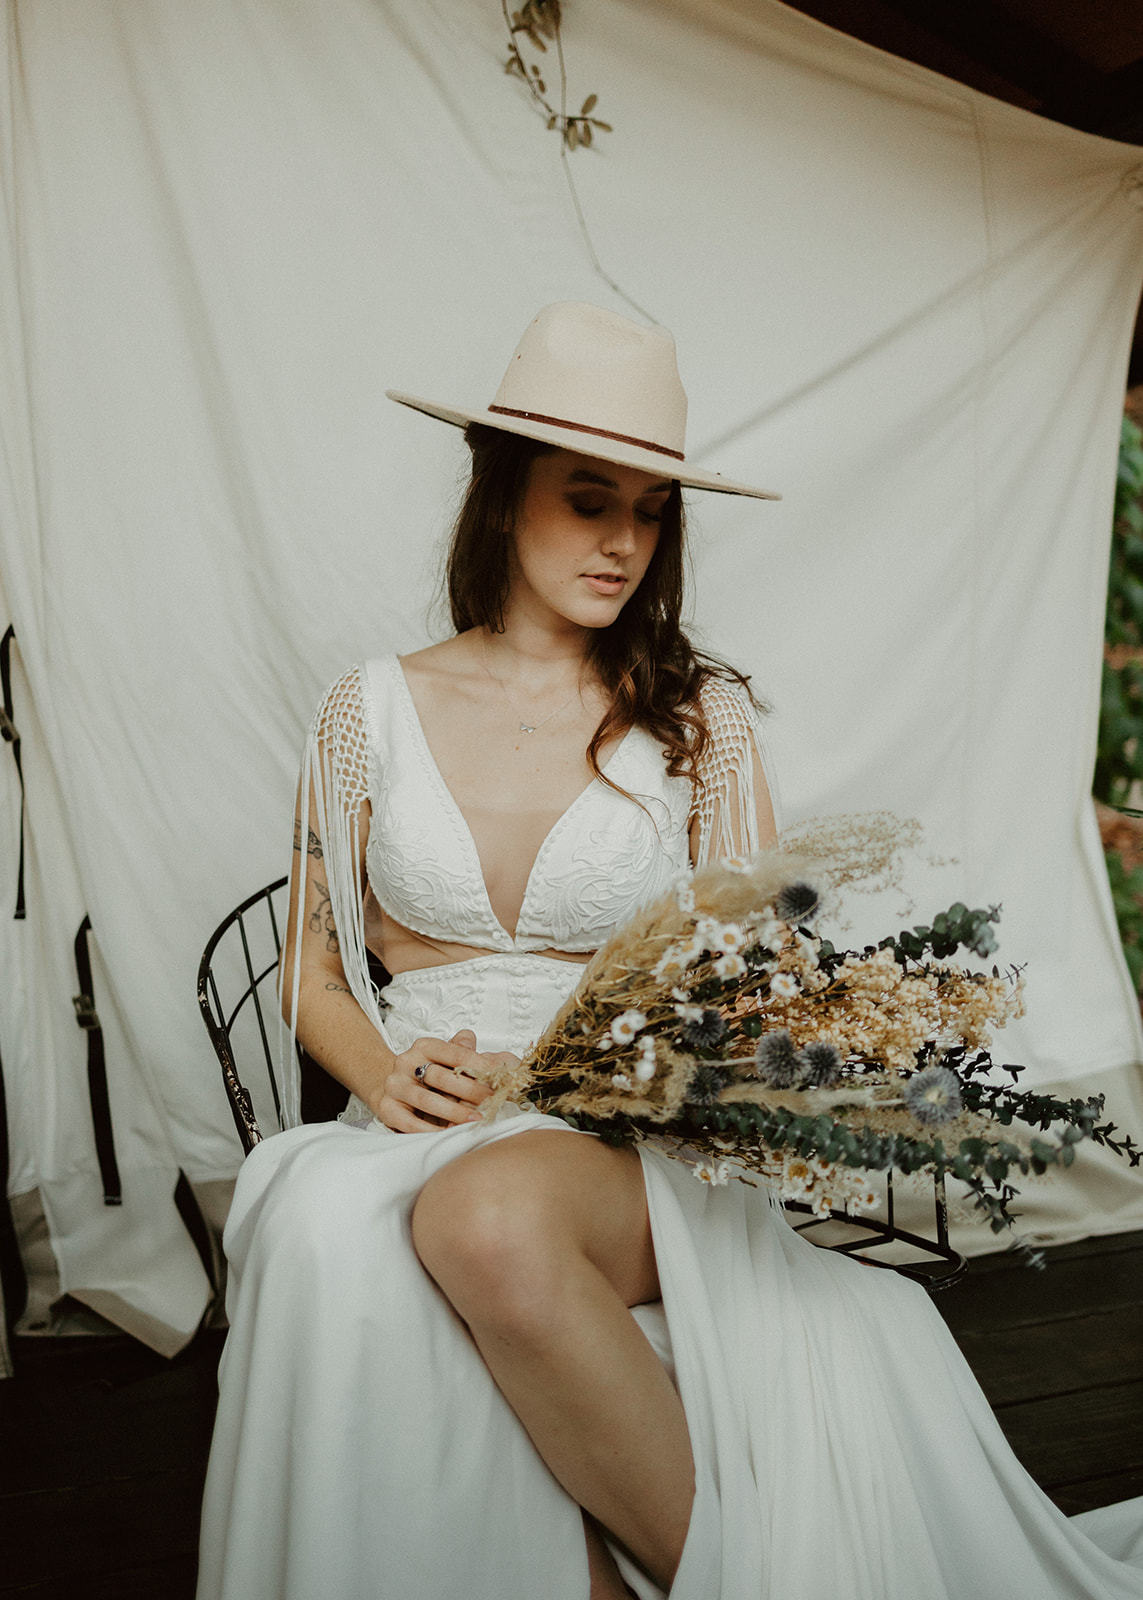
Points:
(706, 1033)
(705, 1085)
(822, 1064)
(933, 1096)
(797, 902)
(777, 1061)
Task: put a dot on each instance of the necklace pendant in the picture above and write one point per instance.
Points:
(524, 728)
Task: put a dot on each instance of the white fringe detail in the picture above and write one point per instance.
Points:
(336, 765)
(726, 804)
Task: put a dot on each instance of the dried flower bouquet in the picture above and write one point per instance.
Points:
(719, 1023)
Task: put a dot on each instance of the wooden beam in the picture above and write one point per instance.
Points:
(1005, 44)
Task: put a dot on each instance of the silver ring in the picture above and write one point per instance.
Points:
(419, 1072)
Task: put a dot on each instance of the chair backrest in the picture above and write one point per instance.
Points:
(237, 993)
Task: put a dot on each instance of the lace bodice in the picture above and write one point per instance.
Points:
(605, 857)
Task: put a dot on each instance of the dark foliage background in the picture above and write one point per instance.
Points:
(1118, 781)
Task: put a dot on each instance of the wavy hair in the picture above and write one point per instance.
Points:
(652, 674)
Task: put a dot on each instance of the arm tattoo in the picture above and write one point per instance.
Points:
(321, 917)
(313, 843)
(339, 988)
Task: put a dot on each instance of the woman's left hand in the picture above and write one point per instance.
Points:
(484, 1060)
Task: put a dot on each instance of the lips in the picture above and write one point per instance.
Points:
(609, 583)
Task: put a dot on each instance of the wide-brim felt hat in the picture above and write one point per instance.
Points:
(592, 381)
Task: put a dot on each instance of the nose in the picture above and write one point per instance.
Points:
(620, 533)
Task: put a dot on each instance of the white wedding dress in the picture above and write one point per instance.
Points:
(843, 1450)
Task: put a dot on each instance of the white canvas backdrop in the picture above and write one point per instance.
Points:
(228, 227)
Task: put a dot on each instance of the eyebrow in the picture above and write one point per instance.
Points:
(583, 476)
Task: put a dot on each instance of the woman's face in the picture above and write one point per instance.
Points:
(585, 534)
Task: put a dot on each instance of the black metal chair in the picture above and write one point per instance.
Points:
(237, 992)
(933, 1260)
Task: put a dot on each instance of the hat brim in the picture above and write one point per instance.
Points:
(567, 437)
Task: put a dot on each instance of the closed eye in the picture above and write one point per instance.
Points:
(591, 507)
(587, 508)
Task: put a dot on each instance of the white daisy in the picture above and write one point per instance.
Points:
(730, 967)
(711, 1172)
(784, 985)
(677, 957)
(730, 938)
(627, 1025)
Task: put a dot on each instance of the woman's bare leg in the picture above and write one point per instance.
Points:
(542, 1243)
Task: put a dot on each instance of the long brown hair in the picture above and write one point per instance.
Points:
(652, 674)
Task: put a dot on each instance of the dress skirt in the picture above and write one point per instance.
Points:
(843, 1450)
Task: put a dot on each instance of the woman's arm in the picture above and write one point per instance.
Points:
(410, 1091)
(331, 1025)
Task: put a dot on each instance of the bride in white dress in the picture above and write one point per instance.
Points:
(502, 1361)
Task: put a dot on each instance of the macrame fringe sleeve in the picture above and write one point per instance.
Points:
(333, 803)
(736, 777)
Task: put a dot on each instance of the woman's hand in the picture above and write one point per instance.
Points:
(431, 1085)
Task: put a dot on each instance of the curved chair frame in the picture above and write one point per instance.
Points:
(943, 1265)
(220, 1023)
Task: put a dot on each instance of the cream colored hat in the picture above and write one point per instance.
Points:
(592, 381)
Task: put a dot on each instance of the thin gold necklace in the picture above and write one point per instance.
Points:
(525, 727)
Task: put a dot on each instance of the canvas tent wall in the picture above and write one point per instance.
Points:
(228, 227)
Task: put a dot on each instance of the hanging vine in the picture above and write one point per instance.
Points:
(536, 24)
(536, 21)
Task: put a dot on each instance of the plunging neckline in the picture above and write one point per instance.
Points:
(413, 717)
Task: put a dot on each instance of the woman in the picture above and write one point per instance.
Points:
(473, 1359)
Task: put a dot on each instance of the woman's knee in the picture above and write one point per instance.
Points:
(486, 1234)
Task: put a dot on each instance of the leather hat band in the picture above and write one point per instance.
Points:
(582, 427)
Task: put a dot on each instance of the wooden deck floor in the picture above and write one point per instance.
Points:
(103, 1445)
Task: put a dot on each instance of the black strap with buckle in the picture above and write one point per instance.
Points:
(88, 1019)
(10, 736)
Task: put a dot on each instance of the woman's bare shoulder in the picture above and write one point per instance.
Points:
(447, 676)
(452, 659)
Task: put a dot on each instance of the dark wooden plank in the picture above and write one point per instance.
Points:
(101, 1527)
(1101, 1245)
(1076, 1286)
(1102, 1491)
(69, 1362)
(171, 1579)
(55, 1439)
(1052, 1358)
(1073, 1437)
